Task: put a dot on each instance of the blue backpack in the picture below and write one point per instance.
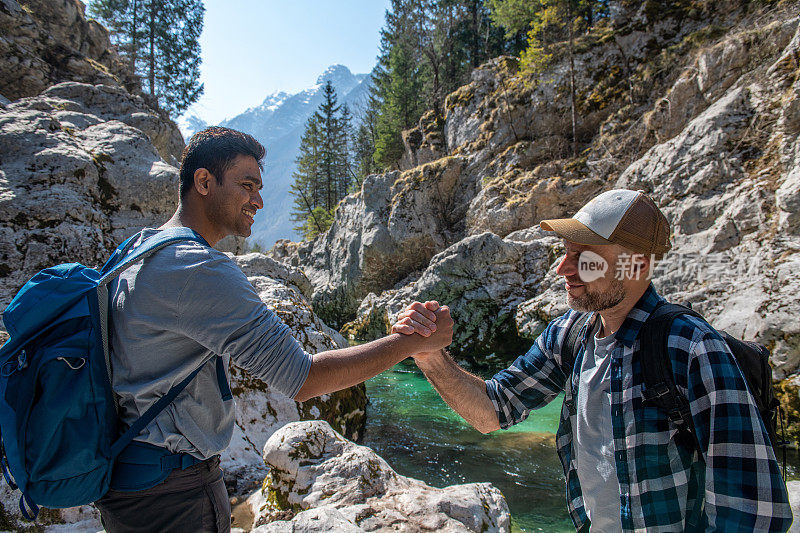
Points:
(59, 429)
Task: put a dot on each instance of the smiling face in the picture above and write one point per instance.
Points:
(234, 202)
(589, 288)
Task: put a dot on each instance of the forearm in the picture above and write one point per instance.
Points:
(464, 393)
(338, 369)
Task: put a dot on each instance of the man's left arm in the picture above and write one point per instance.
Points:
(744, 490)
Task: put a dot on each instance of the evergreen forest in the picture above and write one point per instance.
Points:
(160, 40)
(428, 49)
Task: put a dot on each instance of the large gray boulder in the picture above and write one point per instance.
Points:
(77, 105)
(258, 264)
(319, 480)
(483, 279)
(79, 173)
(45, 42)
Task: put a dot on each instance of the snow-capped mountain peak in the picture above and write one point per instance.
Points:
(337, 75)
(274, 100)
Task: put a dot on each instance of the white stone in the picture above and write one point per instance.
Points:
(327, 481)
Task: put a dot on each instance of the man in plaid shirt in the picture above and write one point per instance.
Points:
(627, 467)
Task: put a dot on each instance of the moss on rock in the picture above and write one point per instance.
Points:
(368, 327)
(788, 394)
(276, 495)
(461, 97)
(344, 410)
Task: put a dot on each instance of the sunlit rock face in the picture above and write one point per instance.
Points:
(85, 161)
(79, 173)
(701, 113)
(318, 480)
(47, 41)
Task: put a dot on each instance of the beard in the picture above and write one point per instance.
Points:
(598, 301)
(222, 215)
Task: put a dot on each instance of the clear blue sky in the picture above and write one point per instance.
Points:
(251, 48)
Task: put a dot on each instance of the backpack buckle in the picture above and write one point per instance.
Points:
(677, 417)
(570, 403)
(655, 393)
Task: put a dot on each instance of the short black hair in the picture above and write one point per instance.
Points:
(214, 149)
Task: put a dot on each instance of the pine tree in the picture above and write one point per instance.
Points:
(398, 82)
(160, 39)
(327, 117)
(364, 139)
(401, 105)
(324, 173)
(308, 194)
(344, 169)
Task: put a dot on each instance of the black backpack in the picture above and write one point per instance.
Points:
(659, 383)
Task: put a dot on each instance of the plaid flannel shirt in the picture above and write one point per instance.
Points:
(664, 485)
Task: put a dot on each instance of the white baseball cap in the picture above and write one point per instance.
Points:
(628, 218)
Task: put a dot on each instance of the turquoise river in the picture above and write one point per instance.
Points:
(419, 436)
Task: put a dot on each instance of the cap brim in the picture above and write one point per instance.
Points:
(574, 231)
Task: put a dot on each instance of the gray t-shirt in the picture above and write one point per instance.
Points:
(594, 438)
(181, 307)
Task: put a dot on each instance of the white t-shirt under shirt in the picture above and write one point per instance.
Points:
(181, 307)
(594, 438)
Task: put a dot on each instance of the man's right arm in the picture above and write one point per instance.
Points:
(338, 369)
(531, 382)
(220, 309)
(465, 393)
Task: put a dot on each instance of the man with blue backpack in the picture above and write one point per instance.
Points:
(113, 385)
(661, 427)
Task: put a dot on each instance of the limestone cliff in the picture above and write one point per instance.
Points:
(84, 162)
(44, 42)
(696, 103)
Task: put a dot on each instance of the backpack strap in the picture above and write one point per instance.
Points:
(152, 412)
(119, 253)
(569, 351)
(150, 245)
(659, 380)
(123, 259)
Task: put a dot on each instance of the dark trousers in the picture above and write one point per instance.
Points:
(191, 500)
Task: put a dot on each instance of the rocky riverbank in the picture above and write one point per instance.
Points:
(698, 106)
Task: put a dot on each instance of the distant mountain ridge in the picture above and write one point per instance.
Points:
(278, 124)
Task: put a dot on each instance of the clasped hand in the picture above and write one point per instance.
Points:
(430, 320)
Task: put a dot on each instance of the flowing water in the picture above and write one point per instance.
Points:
(410, 426)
